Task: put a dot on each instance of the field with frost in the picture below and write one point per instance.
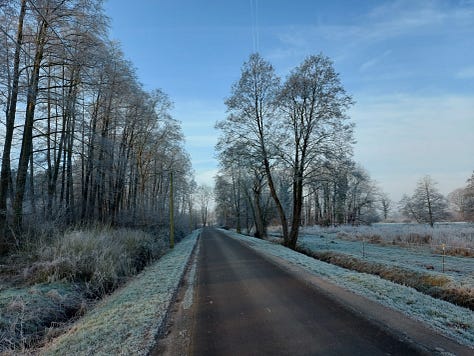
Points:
(401, 245)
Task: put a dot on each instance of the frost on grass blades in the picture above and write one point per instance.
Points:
(386, 250)
(128, 322)
(457, 238)
(452, 320)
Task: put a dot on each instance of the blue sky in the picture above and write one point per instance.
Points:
(408, 64)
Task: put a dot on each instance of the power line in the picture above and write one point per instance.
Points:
(254, 20)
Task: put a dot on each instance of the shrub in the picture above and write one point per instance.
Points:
(101, 259)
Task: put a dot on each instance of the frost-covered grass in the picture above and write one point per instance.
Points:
(100, 258)
(452, 320)
(127, 322)
(27, 312)
(457, 238)
(419, 268)
(402, 253)
(53, 279)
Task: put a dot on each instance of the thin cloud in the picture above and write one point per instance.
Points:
(466, 73)
(388, 21)
(374, 61)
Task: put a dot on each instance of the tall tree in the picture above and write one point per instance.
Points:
(314, 105)
(12, 99)
(469, 199)
(204, 197)
(252, 121)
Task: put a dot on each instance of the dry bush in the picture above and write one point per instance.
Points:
(454, 251)
(100, 259)
(418, 239)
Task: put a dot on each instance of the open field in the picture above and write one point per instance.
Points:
(456, 238)
(375, 244)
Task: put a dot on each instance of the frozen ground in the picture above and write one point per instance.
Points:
(459, 269)
(452, 235)
(449, 319)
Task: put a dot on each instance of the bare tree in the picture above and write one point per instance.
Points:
(426, 205)
(457, 201)
(11, 107)
(295, 129)
(252, 122)
(469, 199)
(314, 104)
(386, 205)
(95, 146)
(204, 197)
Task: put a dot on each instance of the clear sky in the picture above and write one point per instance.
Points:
(408, 64)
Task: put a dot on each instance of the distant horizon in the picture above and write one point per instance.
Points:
(407, 66)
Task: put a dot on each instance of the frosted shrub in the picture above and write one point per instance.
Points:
(101, 259)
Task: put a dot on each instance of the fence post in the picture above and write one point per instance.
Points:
(444, 252)
(363, 247)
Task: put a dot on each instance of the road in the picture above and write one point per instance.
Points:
(246, 305)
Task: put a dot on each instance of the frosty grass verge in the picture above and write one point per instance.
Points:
(445, 317)
(129, 320)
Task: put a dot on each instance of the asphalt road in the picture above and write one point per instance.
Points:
(246, 305)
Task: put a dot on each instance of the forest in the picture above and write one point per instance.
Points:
(82, 141)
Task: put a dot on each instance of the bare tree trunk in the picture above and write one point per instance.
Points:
(9, 128)
(259, 218)
(297, 206)
(27, 141)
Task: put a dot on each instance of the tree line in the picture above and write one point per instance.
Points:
(285, 155)
(428, 205)
(83, 141)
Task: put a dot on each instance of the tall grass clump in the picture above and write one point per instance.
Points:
(101, 259)
(27, 314)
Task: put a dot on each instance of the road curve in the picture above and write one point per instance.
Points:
(246, 305)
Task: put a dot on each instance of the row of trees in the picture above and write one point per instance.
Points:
(428, 205)
(462, 201)
(82, 140)
(285, 152)
(285, 157)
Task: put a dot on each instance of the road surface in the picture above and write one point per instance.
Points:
(246, 305)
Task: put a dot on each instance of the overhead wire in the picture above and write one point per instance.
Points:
(254, 24)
